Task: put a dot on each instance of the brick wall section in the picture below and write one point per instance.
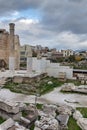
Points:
(5, 48)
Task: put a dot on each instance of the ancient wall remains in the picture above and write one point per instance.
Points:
(10, 45)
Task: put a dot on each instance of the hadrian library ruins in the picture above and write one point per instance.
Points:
(43, 95)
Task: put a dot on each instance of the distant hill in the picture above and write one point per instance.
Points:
(81, 50)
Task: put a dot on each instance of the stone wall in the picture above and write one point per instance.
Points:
(6, 45)
(19, 79)
(52, 69)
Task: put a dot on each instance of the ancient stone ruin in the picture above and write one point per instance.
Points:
(9, 48)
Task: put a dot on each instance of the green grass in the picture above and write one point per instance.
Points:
(45, 87)
(39, 106)
(32, 127)
(83, 111)
(10, 84)
(41, 87)
(24, 113)
(72, 125)
(27, 104)
(76, 82)
(1, 120)
(12, 87)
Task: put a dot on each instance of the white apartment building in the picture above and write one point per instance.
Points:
(66, 53)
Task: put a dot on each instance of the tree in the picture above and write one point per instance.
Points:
(78, 58)
(71, 58)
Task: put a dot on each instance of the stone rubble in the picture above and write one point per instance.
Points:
(64, 109)
(63, 120)
(49, 109)
(9, 109)
(49, 123)
(69, 87)
(82, 122)
(51, 120)
(11, 125)
(7, 124)
(50, 117)
(47, 120)
(77, 115)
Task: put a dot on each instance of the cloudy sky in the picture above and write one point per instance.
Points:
(60, 24)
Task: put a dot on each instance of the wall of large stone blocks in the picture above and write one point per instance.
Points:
(39, 65)
(2, 54)
(3, 47)
(52, 69)
(6, 52)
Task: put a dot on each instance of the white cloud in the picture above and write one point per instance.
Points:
(60, 24)
(15, 13)
(29, 21)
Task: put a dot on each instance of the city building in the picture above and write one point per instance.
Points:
(9, 46)
(67, 52)
(24, 50)
(57, 55)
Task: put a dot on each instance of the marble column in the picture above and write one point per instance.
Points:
(39, 62)
(11, 48)
(39, 65)
(29, 64)
(29, 60)
(11, 63)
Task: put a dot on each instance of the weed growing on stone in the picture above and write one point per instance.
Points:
(1, 120)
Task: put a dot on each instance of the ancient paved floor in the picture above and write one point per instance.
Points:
(54, 97)
(71, 99)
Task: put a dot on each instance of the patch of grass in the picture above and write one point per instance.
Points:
(41, 87)
(32, 127)
(72, 125)
(27, 104)
(45, 87)
(76, 82)
(83, 111)
(12, 86)
(39, 106)
(24, 113)
(39, 117)
(1, 120)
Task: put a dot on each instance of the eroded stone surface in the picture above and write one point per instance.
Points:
(49, 109)
(68, 87)
(64, 109)
(7, 124)
(47, 123)
(82, 122)
(63, 119)
(8, 106)
(77, 115)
